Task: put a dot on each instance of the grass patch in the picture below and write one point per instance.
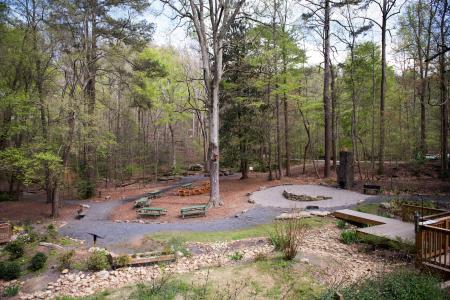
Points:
(400, 285)
(349, 237)
(250, 232)
(99, 296)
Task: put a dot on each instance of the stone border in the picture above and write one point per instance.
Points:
(296, 197)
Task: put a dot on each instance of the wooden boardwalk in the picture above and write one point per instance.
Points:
(379, 226)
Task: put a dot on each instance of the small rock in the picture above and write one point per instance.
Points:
(320, 213)
(65, 271)
(251, 201)
(304, 260)
(102, 275)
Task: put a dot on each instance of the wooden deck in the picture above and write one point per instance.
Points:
(379, 226)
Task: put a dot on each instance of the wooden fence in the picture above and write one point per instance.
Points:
(408, 211)
(5, 232)
(432, 242)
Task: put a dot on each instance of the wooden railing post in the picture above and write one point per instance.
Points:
(418, 246)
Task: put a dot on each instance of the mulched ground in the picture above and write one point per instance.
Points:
(232, 190)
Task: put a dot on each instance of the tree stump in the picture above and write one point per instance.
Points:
(345, 172)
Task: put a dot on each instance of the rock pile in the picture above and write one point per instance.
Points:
(79, 283)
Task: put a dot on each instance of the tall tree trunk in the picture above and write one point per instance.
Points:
(279, 162)
(333, 116)
(172, 146)
(383, 89)
(444, 95)
(326, 90)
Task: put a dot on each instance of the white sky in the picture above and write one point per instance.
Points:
(167, 33)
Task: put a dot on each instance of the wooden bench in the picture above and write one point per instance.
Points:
(186, 186)
(151, 212)
(142, 202)
(194, 210)
(371, 187)
(154, 194)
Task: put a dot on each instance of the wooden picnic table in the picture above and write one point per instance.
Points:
(152, 211)
(154, 194)
(142, 202)
(193, 210)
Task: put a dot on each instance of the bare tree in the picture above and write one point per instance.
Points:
(211, 20)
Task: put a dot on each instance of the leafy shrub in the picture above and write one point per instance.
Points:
(260, 256)
(349, 237)
(86, 189)
(6, 197)
(11, 291)
(341, 224)
(9, 270)
(236, 256)
(66, 260)
(122, 261)
(399, 285)
(98, 261)
(178, 245)
(38, 261)
(288, 236)
(15, 249)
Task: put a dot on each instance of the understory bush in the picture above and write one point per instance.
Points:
(85, 188)
(349, 237)
(399, 285)
(65, 260)
(11, 291)
(98, 261)
(38, 261)
(122, 261)
(287, 236)
(341, 224)
(9, 270)
(236, 256)
(15, 249)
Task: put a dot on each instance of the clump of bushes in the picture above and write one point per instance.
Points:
(349, 237)
(86, 189)
(11, 291)
(15, 249)
(341, 224)
(98, 261)
(65, 260)
(9, 270)
(236, 256)
(400, 285)
(122, 261)
(287, 236)
(38, 261)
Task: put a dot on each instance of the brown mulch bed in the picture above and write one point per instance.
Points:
(232, 190)
(32, 211)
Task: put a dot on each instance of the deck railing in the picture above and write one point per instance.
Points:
(408, 211)
(432, 242)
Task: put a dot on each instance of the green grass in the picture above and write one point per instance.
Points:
(400, 285)
(369, 208)
(250, 232)
(99, 296)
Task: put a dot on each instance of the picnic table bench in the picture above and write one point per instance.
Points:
(186, 185)
(142, 202)
(371, 187)
(154, 194)
(194, 210)
(151, 211)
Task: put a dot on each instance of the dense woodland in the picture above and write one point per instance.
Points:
(87, 98)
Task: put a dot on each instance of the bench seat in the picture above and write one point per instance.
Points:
(152, 211)
(194, 210)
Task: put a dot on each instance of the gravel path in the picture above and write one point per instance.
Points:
(96, 221)
(273, 197)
